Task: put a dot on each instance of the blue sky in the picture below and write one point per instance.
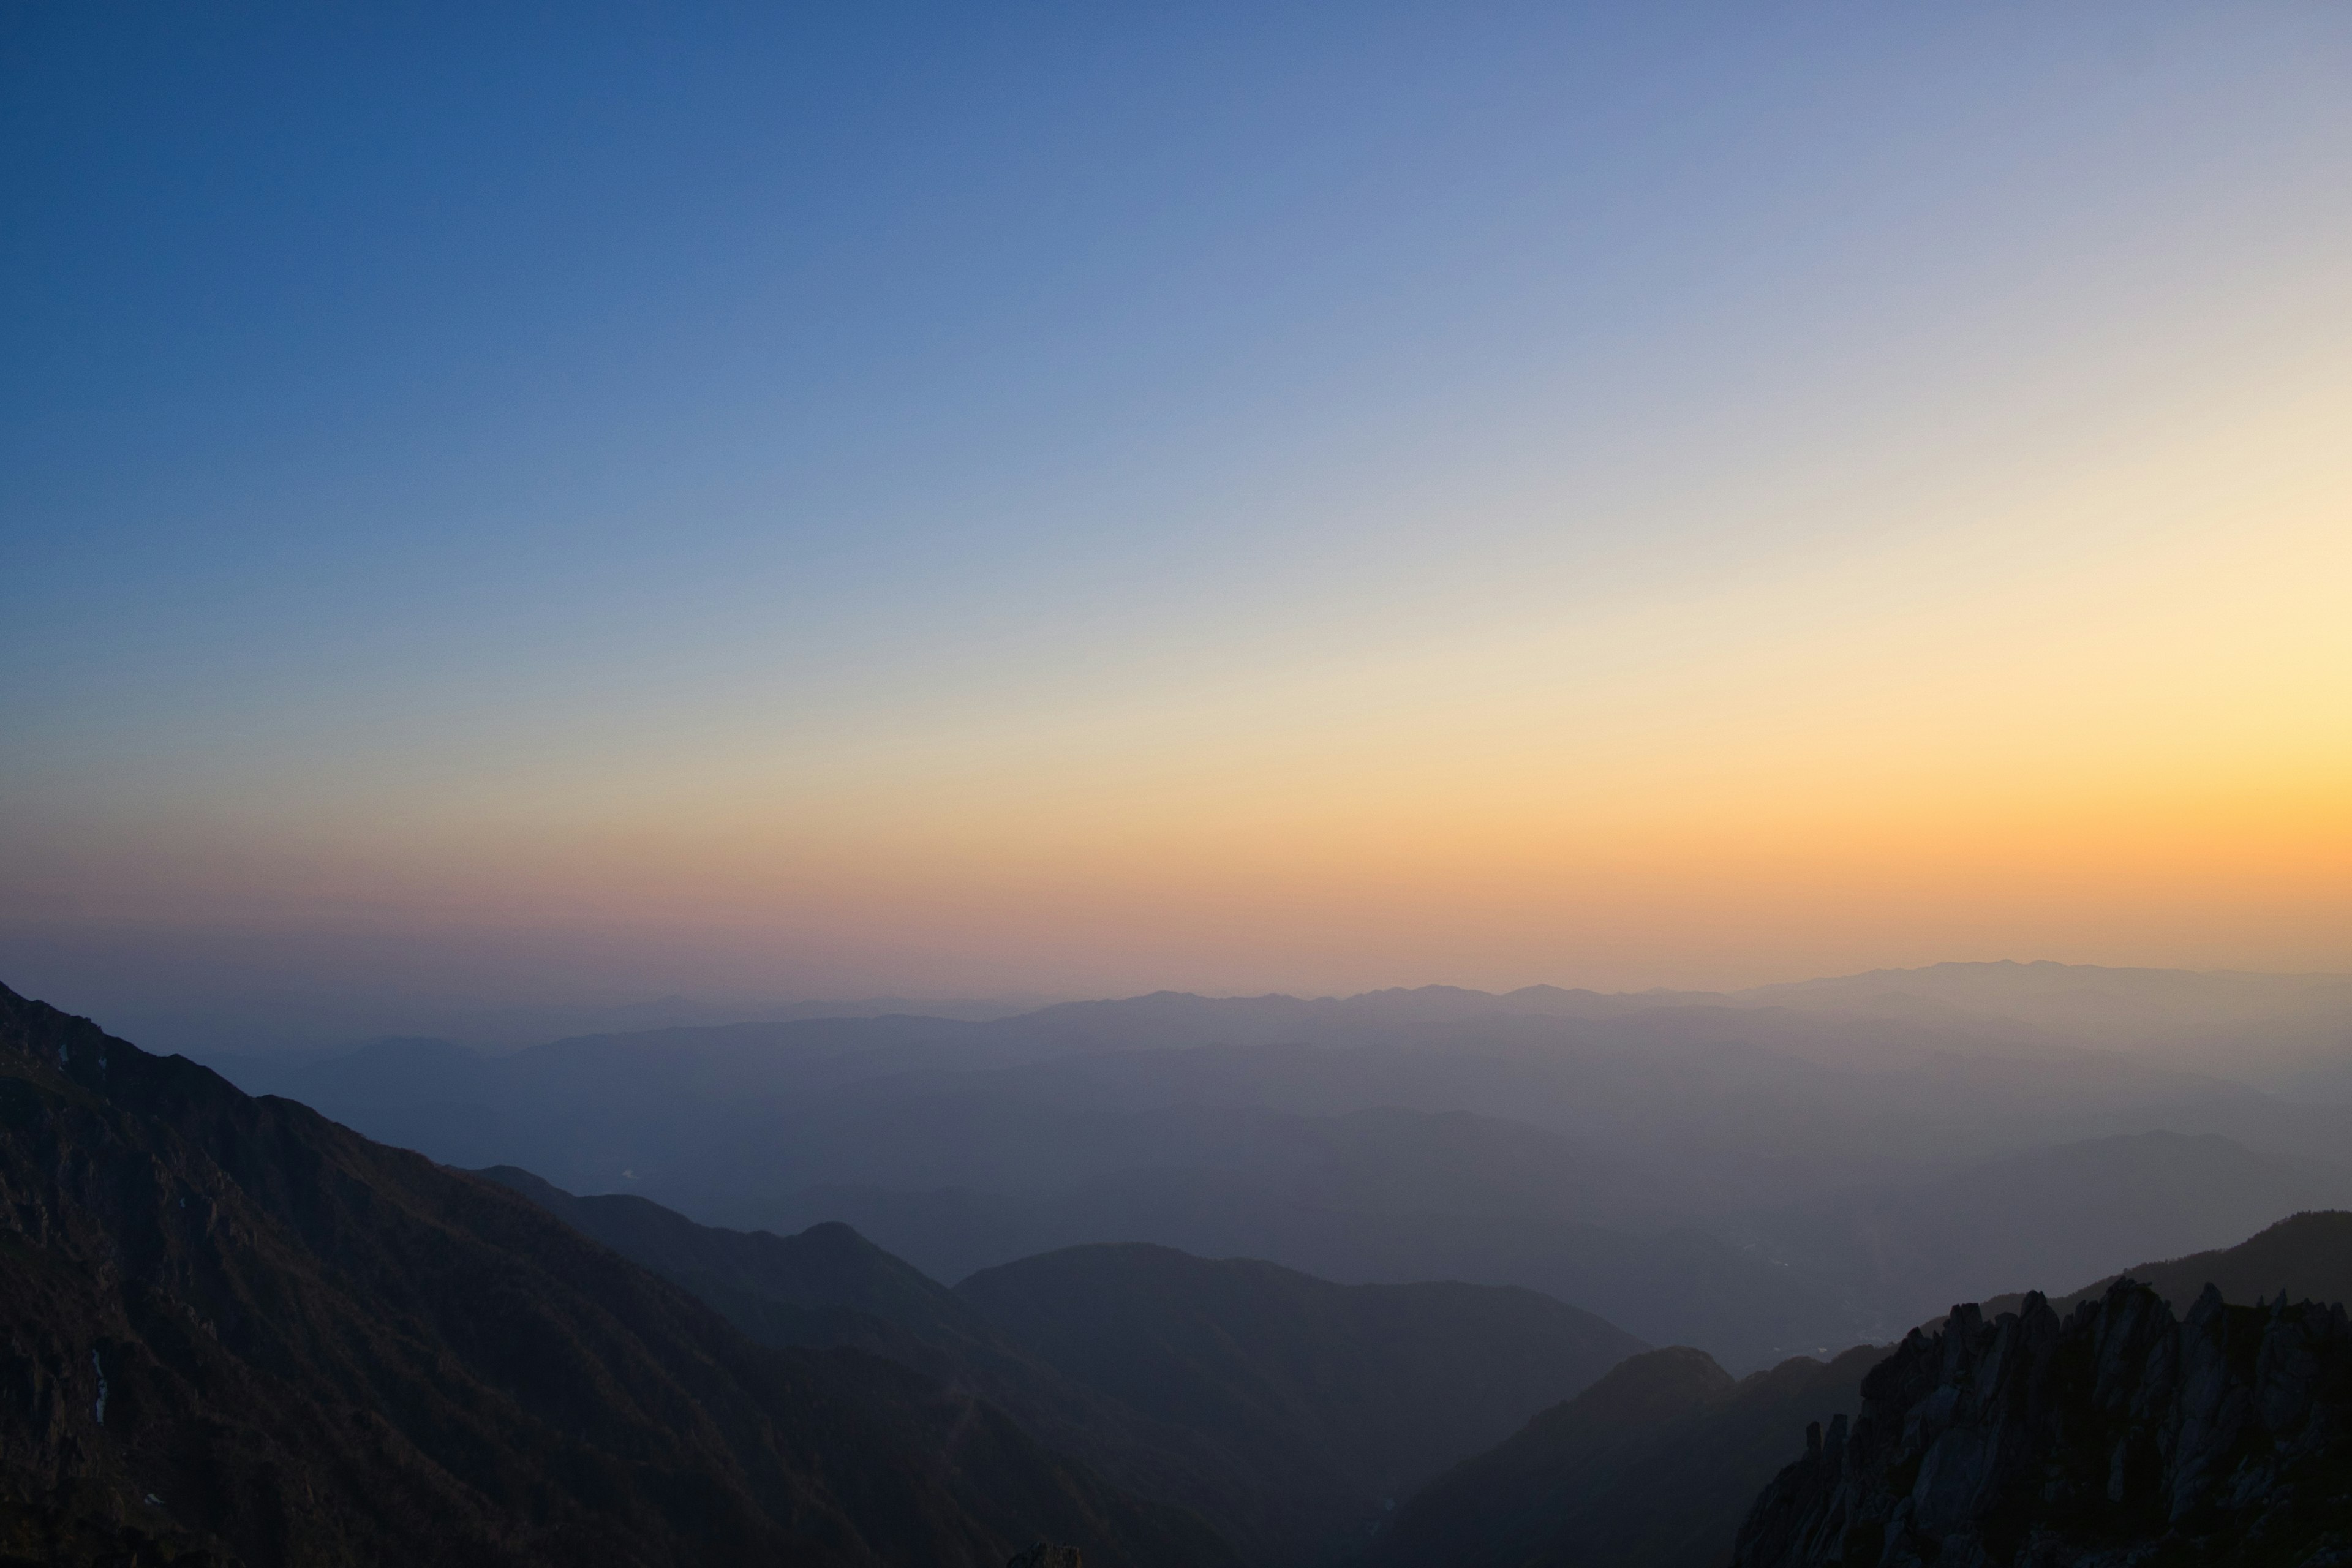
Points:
(418, 409)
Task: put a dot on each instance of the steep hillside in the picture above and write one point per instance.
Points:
(1460, 1351)
(2119, 1434)
(1654, 1465)
(1343, 1398)
(230, 1324)
(830, 1287)
(825, 1286)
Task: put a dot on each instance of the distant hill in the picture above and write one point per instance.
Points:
(1280, 1407)
(1759, 1176)
(1654, 1466)
(1344, 1397)
(2043, 1217)
(2287, 1032)
(828, 1285)
(240, 1332)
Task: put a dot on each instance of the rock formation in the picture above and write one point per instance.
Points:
(2121, 1435)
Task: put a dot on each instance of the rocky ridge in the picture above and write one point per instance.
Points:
(2121, 1435)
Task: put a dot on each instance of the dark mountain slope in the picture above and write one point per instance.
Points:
(1654, 1465)
(227, 1320)
(2119, 1434)
(828, 1285)
(2308, 1256)
(1343, 1397)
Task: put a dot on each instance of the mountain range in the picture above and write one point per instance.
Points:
(1290, 1412)
(1759, 1175)
(237, 1332)
(234, 1331)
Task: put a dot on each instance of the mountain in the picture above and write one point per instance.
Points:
(830, 1287)
(1657, 1462)
(1345, 1398)
(1282, 1408)
(2044, 1217)
(232, 1331)
(2119, 1434)
(1750, 1176)
(1654, 1465)
(2268, 1028)
(2307, 1256)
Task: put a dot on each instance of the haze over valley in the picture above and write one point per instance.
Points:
(924, 785)
(1759, 1175)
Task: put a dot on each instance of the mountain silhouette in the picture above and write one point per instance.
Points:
(1655, 1464)
(1344, 1397)
(235, 1332)
(1760, 1176)
(1288, 1411)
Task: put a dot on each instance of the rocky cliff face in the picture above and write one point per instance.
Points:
(2121, 1435)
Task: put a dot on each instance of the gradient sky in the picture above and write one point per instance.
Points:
(538, 500)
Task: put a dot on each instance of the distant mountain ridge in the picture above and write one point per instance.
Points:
(2077, 1003)
(1760, 1181)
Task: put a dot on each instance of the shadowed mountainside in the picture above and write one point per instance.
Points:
(1346, 1397)
(1285, 1409)
(1654, 1465)
(233, 1327)
(830, 1287)
(827, 1284)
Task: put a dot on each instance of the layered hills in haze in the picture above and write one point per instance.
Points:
(1290, 1412)
(1759, 1175)
(233, 1331)
(237, 1332)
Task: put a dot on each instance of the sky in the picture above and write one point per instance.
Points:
(532, 503)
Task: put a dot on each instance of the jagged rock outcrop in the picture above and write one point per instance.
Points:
(2119, 1437)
